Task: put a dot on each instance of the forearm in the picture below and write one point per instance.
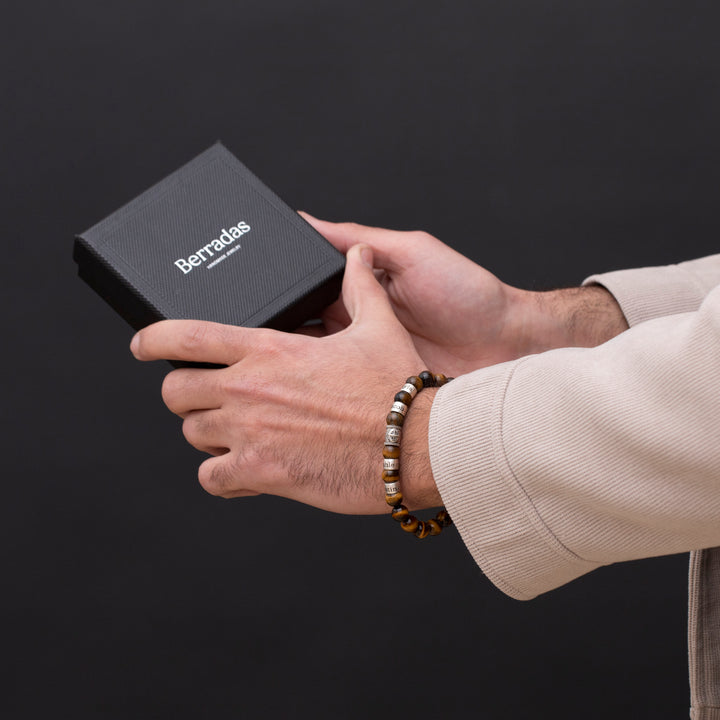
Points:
(555, 464)
(570, 317)
(606, 305)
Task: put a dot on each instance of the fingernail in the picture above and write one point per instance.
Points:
(366, 255)
(135, 344)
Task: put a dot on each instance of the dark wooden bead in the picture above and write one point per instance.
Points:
(410, 524)
(416, 381)
(391, 451)
(440, 379)
(423, 530)
(400, 513)
(403, 397)
(443, 518)
(435, 527)
(394, 500)
(395, 419)
(427, 378)
(390, 475)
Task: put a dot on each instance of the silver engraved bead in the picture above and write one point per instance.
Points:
(391, 464)
(409, 389)
(392, 435)
(392, 488)
(399, 407)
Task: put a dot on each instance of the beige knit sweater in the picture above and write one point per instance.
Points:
(558, 463)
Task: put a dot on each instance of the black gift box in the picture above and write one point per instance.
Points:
(210, 242)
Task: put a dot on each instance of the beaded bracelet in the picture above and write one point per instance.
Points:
(391, 458)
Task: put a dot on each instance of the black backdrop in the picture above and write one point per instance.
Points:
(546, 140)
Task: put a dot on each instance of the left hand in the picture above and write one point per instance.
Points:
(297, 416)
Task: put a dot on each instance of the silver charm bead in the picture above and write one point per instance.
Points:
(392, 435)
(411, 390)
(392, 488)
(399, 407)
(391, 464)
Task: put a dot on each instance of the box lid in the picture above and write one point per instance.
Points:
(209, 242)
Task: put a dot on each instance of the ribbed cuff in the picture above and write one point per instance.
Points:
(494, 516)
(708, 713)
(647, 293)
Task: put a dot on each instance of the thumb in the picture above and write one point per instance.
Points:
(362, 294)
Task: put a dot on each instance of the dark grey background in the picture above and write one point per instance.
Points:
(546, 140)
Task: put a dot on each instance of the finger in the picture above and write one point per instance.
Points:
(204, 431)
(216, 477)
(191, 389)
(194, 341)
(363, 296)
(392, 248)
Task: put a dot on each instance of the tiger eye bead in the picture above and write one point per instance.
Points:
(395, 418)
(403, 397)
(391, 457)
(410, 524)
(400, 513)
(391, 451)
(427, 379)
(435, 528)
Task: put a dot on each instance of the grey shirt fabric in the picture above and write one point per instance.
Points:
(557, 463)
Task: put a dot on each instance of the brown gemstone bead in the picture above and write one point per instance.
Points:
(390, 475)
(394, 500)
(410, 524)
(435, 527)
(427, 379)
(443, 518)
(400, 513)
(416, 381)
(391, 451)
(395, 419)
(423, 530)
(403, 397)
(440, 379)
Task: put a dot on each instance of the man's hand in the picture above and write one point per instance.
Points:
(460, 316)
(297, 416)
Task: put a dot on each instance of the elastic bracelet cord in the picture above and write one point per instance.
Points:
(391, 458)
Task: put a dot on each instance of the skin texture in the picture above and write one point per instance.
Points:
(302, 415)
(460, 316)
(297, 416)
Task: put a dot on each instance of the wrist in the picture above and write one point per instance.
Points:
(570, 317)
(419, 488)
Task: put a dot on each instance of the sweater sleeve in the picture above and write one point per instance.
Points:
(650, 292)
(557, 463)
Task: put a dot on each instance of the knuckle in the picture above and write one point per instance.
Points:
(190, 429)
(170, 388)
(215, 478)
(199, 430)
(421, 236)
(195, 337)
